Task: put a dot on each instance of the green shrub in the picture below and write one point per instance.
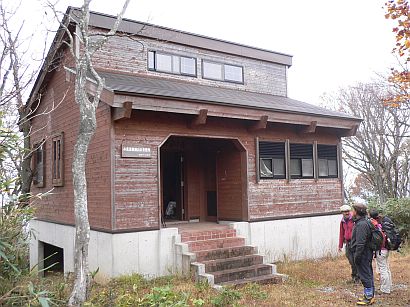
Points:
(227, 297)
(255, 291)
(14, 259)
(398, 210)
(164, 297)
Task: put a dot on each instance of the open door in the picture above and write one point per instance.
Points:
(211, 199)
(173, 186)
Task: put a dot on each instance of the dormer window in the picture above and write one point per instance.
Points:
(171, 63)
(222, 72)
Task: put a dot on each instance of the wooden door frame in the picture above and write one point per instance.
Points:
(245, 166)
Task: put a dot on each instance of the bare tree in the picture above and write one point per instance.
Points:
(82, 45)
(379, 151)
(15, 79)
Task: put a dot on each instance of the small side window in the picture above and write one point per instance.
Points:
(57, 154)
(38, 165)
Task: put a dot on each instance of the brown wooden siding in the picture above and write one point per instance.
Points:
(58, 206)
(136, 180)
(230, 186)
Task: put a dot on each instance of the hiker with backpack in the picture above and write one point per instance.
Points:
(392, 242)
(345, 237)
(363, 253)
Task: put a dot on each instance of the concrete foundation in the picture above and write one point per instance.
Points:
(293, 239)
(159, 252)
(150, 253)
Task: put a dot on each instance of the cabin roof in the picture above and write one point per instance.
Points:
(173, 89)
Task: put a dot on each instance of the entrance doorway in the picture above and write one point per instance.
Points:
(203, 179)
(173, 185)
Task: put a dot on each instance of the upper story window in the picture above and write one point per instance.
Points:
(301, 161)
(170, 63)
(222, 72)
(272, 160)
(327, 160)
(57, 157)
(38, 164)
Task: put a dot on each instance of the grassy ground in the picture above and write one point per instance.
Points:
(311, 283)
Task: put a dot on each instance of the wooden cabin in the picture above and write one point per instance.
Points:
(197, 140)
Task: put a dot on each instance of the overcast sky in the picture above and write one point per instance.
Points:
(334, 43)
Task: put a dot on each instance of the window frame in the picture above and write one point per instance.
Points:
(57, 181)
(300, 161)
(38, 147)
(223, 79)
(172, 55)
(272, 158)
(335, 159)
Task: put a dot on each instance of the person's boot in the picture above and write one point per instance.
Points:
(364, 301)
(368, 297)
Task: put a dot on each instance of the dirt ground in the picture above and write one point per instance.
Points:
(324, 283)
(311, 283)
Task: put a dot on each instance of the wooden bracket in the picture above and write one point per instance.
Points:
(352, 131)
(200, 119)
(311, 128)
(124, 112)
(106, 96)
(262, 123)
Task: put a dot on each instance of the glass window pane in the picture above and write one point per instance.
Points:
(332, 168)
(175, 64)
(151, 61)
(307, 167)
(164, 62)
(212, 70)
(295, 167)
(279, 167)
(188, 66)
(323, 168)
(233, 73)
(266, 168)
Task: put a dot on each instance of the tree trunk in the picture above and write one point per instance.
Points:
(87, 129)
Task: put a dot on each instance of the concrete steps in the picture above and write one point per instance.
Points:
(232, 275)
(264, 279)
(220, 257)
(223, 253)
(203, 245)
(232, 263)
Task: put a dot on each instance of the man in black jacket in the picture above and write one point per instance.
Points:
(362, 254)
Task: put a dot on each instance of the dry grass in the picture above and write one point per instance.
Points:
(323, 283)
(311, 283)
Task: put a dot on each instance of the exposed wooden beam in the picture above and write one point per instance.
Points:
(311, 128)
(106, 96)
(352, 131)
(200, 119)
(124, 112)
(261, 124)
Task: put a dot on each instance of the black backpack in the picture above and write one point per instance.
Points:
(376, 238)
(393, 238)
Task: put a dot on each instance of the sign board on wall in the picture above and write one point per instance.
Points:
(129, 150)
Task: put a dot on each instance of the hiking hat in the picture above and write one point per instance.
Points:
(345, 208)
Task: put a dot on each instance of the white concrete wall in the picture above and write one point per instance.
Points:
(151, 253)
(294, 239)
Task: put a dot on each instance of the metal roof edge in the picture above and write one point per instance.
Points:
(145, 29)
(351, 118)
